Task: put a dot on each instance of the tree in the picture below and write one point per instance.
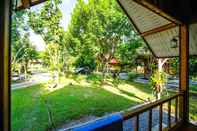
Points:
(46, 23)
(29, 53)
(101, 27)
(22, 49)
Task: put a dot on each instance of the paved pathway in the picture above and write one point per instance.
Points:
(172, 84)
(36, 78)
(129, 125)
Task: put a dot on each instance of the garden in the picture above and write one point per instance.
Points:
(75, 65)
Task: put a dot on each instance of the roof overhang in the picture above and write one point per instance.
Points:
(157, 21)
(158, 29)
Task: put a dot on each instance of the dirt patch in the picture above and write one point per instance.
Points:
(72, 123)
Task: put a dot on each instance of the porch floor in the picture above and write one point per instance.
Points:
(187, 127)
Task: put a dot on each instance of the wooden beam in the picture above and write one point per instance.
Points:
(184, 70)
(159, 29)
(158, 11)
(37, 2)
(5, 18)
(29, 3)
(26, 3)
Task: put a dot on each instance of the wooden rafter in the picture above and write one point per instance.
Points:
(29, 3)
(158, 29)
(135, 26)
(156, 10)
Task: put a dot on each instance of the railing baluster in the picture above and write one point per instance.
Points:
(137, 123)
(176, 109)
(150, 120)
(169, 114)
(135, 112)
(160, 117)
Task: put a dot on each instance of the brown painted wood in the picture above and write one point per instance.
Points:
(184, 70)
(5, 11)
(29, 3)
(137, 123)
(145, 107)
(169, 114)
(159, 29)
(160, 117)
(176, 110)
(26, 3)
(150, 120)
(186, 127)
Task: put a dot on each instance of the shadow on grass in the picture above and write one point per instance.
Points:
(142, 87)
(130, 94)
(69, 103)
(74, 102)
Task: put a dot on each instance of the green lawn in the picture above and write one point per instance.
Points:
(77, 98)
(29, 112)
(193, 103)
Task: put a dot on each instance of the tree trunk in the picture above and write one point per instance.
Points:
(158, 96)
(161, 62)
(103, 72)
(26, 69)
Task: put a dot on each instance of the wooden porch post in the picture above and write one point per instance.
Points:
(184, 71)
(4, 65)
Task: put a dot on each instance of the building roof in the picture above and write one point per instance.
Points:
(159, 31)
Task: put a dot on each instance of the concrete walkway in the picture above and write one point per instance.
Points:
(129, 125)
(23, 85)
(172, 84)
(36, 78)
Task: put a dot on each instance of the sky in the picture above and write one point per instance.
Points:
(66, 8)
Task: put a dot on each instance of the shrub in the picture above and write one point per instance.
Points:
(94, 77)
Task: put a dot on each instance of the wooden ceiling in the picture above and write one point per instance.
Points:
(182, 10)
(158, 23)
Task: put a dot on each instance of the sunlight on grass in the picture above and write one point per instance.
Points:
(69, 103)
(66, 82)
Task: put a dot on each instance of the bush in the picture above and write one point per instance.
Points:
(94, 77)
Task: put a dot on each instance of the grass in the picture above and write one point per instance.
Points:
(77, 97)
(193, 102)
(193, 89)
(71, 102)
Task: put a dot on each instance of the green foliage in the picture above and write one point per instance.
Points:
(98, 29)
(193, 66)
(86, 59)
(22, 49)
(94, 77)
(46, 23)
